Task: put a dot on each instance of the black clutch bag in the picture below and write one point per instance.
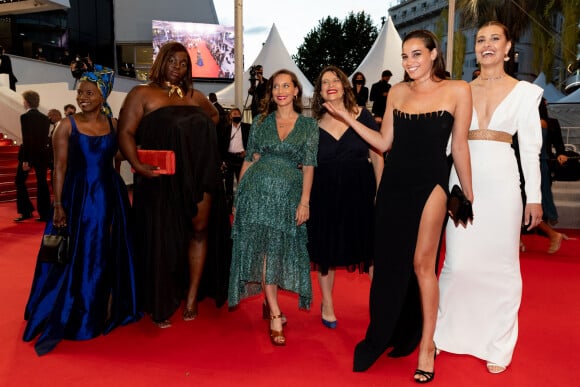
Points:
(55, 247)
(459, 207)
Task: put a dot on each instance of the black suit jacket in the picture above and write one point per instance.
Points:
(34, 148)
(6, 68)
(554, 138)
(225, 137)
(379, 100)
(258, 93)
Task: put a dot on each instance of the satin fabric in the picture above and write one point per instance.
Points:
(95, 291)
(480, 283)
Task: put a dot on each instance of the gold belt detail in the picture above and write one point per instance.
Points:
(490, 135)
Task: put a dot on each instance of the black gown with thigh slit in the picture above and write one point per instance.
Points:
(415, 165)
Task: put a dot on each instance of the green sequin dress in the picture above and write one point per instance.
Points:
(266, 201)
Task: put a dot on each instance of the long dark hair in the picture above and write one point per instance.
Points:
(431, 43)
(348, 98)
(157, 73)
(268, 105)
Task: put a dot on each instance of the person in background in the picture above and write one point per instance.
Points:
(213, 99)
(6, 68)
(54, 116)
(340, 228)
(481, 283)
(95, 291)
(235, 140)
(378, 96)
(33, 154)
(411, 205)
(173, 213)
(551, 136)
(69, 109)
(258, 90)
(361, 92)
(272, 204)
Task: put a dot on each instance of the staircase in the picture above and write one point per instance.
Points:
(8, 165)
(567, 199)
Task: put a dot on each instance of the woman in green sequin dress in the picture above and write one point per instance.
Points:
(272, 203)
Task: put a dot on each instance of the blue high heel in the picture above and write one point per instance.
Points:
(326, 323)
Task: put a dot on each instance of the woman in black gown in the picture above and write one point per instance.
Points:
(172, 212)
(411, 202)
(340, 229)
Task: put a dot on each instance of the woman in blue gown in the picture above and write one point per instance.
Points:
(95, 291)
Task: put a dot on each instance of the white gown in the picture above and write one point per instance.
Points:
(480, 283)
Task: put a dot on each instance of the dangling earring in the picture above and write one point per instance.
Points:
(506, 58)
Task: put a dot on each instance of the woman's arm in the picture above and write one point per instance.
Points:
(60, 139)
(530, 143)
(378, 162)
(382, 140)
(303, 210)
(207, 106)
(130, 117)
(460, 131)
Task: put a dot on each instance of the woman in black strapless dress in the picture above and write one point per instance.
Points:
(421, 114)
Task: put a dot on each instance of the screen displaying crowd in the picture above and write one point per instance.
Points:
(210, 46)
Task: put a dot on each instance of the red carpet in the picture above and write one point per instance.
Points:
(210, 68)
(224, 348)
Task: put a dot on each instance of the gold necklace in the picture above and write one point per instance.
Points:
(491, 78)
(174, 89)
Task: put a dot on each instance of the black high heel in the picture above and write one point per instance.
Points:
(429, 376)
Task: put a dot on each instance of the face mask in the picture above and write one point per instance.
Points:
(358, 82)
(237, 120)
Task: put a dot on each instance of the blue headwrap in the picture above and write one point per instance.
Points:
(104, 78)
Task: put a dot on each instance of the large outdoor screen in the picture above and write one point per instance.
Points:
(210, 46)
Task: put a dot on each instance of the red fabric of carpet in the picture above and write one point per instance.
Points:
(223, 348)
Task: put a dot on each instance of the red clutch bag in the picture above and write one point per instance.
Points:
(164, 159)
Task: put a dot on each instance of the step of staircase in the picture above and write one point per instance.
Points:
(8, 166)
(567, 199)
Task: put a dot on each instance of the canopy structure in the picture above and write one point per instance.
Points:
(273, 57)
(385, 54)
(551, 93)
(571, 98)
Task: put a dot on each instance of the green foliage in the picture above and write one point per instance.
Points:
(459, 43)
(441, 24)
(570, 30)
(344, 44)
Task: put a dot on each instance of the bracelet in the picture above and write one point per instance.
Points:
(304, 205)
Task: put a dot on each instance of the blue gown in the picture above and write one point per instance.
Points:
(95, 291)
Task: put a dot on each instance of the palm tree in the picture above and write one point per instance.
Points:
(477, 12)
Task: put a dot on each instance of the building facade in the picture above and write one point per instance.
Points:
(409, 15)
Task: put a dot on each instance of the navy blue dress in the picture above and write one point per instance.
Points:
(95, 291)
(340, 228)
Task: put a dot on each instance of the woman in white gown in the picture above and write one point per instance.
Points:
(480, 284)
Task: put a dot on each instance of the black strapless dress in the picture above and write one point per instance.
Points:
(416, 164)
(164, 207)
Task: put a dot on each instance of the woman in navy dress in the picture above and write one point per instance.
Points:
(95, 291)
(340, 228)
